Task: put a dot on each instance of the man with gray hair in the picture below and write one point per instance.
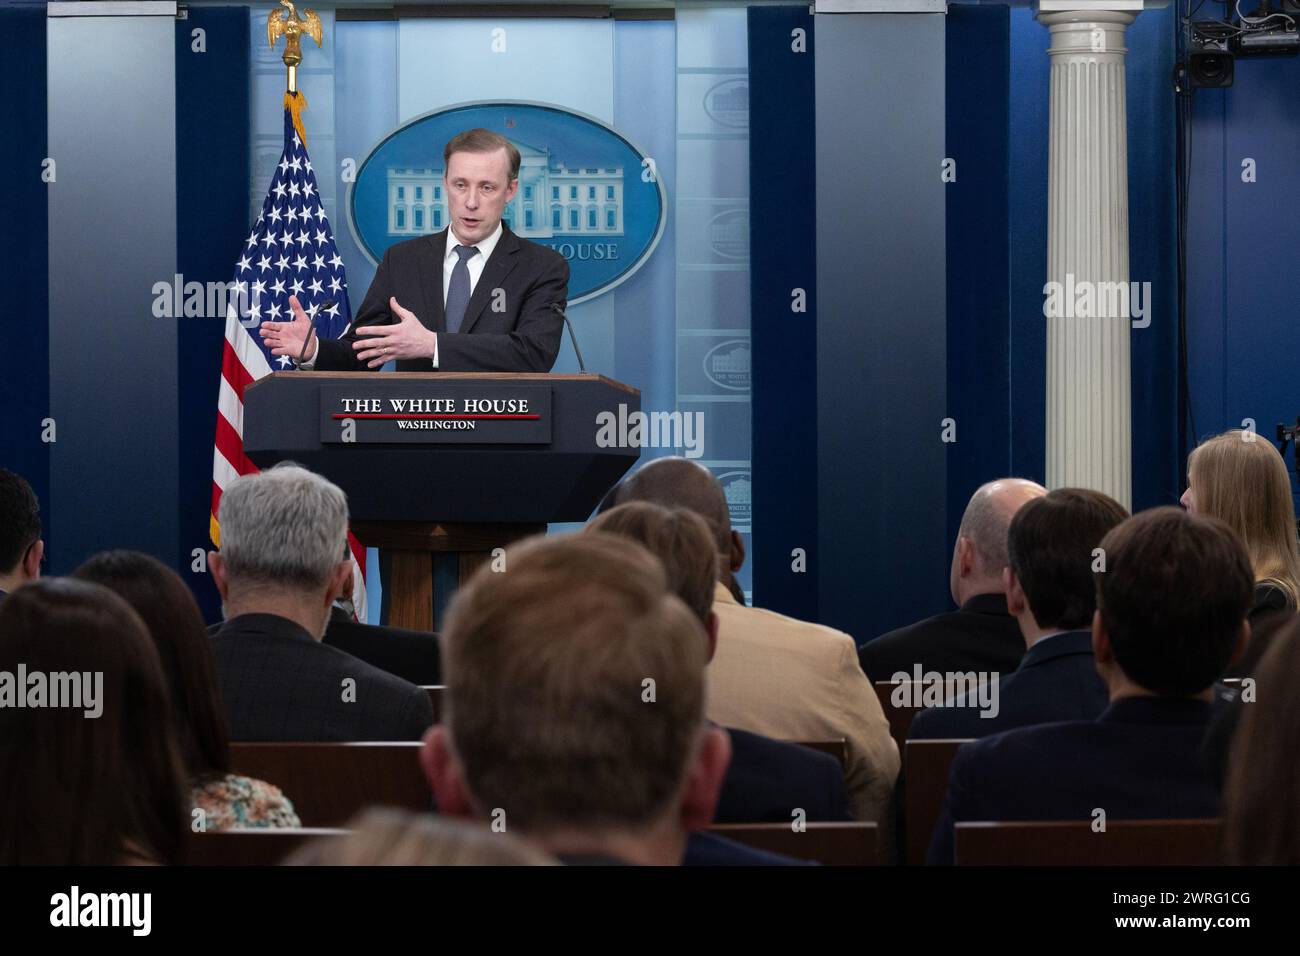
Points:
(980, 635)
(281, 565)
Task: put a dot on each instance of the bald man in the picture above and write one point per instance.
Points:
(771, 674)
(981, 635)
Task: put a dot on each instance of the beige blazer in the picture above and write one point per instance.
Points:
(785, 678)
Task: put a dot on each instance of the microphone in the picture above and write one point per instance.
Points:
(302, 356)
(572, 338)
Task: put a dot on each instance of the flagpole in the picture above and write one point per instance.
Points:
(245, 356)
(291, 25)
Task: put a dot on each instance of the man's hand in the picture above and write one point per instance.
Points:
(287, 338)
(408, 339)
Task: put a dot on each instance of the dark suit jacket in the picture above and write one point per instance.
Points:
(1140, 760)
(279, 684)
(768, 779)
(709, 849)
(1057, 680)
(980, 636)
(1228, 705)
(523, 337)
(411, 655)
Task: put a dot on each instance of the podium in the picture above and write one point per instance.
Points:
(455, 463)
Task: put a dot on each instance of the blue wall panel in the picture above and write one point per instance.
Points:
(1027, 231)
(24, 362)
(112, 237)
(1152, 258)
(978, 61)
(784, 341)
(211, 225)
(881, 320)
(1243, 332)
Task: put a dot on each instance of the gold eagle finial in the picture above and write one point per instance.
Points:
(291, 24)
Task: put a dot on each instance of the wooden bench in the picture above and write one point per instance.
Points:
(329, 783)
(900, 715)
(830, 844)
(262, 847)
(925, 768)
(1074, 843)
(839, 748)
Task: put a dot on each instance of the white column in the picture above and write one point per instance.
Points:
(1088, 400)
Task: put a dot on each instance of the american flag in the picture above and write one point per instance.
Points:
(290, 251)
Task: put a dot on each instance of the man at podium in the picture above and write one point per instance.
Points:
(472, 298)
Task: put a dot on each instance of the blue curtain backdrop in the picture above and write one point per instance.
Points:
(978, 126)
(1243, 335)
(24, 251)
(784, 340)
(1152, 216)
(211, 225)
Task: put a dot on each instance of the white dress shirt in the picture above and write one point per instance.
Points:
(450, 257)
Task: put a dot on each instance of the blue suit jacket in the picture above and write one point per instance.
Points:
(768, 779)
(1057, 680)
(1139, 761)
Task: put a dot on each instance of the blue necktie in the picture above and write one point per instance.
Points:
(458, 291)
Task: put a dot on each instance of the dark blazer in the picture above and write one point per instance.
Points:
(411, 655)
(1057, 680)
(709, 849)
(523, 337)
(1216, 748)
(979, 636)
(768, 779)
(278, 683)
(1140, 760)
(1228, 705)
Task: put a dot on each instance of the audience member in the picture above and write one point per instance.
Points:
(776, 675)
(1261, 799)
(1052, 550)
(90, 765)
(1231, 700)
(411, 655)
(574, 712)
(1241, 479)
(388, 837)
(175, 625)
(21, 547)
(768, 781)
(1171, 613)
(278, 572)
(981, 635)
